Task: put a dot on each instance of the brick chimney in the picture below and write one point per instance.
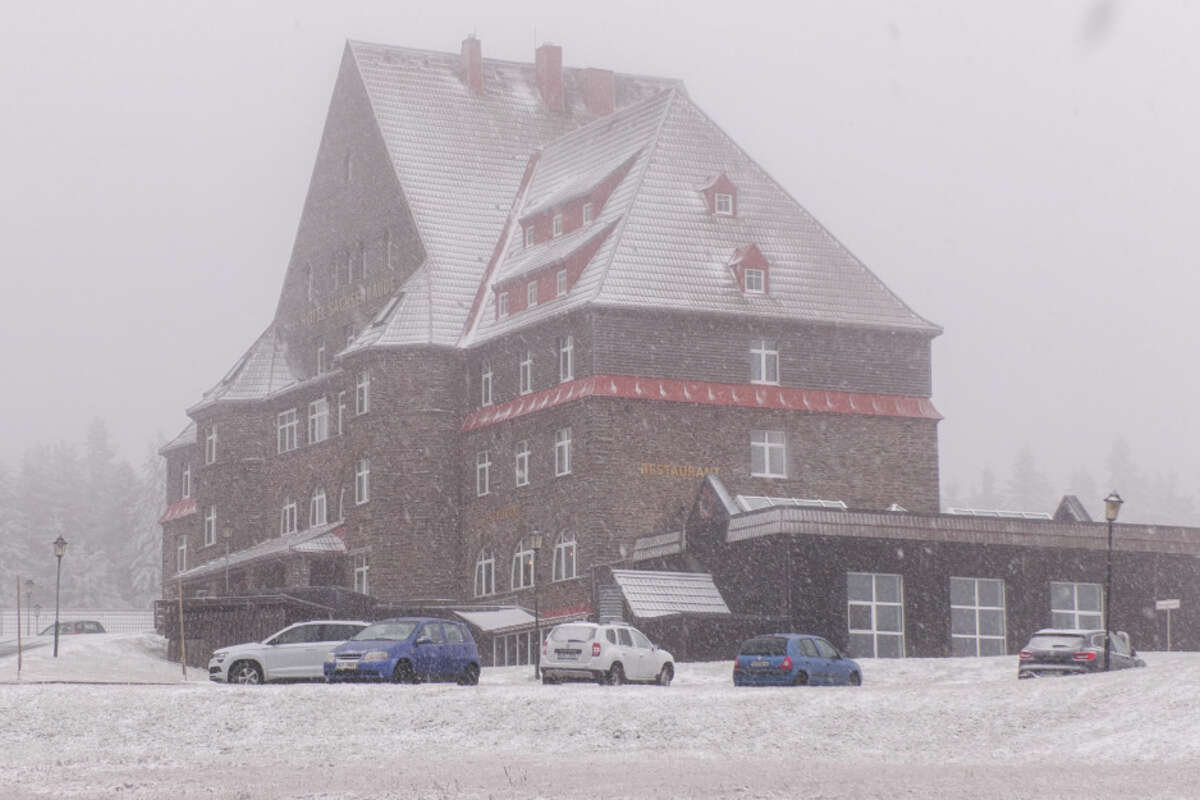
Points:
(598, 93)
(549, 76)
(472, 64)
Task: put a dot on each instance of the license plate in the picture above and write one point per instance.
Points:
(759, 664)
(347, 665)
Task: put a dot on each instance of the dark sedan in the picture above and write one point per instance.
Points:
(1053, 652)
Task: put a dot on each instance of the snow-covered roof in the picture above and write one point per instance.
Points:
(322, 538)
(262, 371)
(498, 619)
(185, 437)
(658, 594)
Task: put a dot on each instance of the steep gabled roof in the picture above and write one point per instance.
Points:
(262, 371)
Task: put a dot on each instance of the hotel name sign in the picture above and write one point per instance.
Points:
(363, 294)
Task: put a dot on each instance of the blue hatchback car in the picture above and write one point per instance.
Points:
(793, 659)
(407, 650)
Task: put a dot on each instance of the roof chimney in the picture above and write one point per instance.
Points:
(598, 93)
(549, 76)
(472, 64)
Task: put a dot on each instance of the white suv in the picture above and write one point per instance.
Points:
(295, 653)
(612, 653)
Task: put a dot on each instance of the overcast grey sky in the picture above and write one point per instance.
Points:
(1022, 173)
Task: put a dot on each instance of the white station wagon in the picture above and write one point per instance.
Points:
(612, 653)
(296, 653)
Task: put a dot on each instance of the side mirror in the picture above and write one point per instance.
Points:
(424, 640)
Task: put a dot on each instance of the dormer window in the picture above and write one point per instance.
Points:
(751, 270)
(720, 195)
(529, 236)
(587, 213)
(724, 204)
(558, 226)
(531, 294)
(560, 283)
(502, 305)
(755, 281)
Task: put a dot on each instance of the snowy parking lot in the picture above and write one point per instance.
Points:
(916, 728)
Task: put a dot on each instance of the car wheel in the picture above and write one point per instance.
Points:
(665, 675)
(469, 676)
(403, 673)
(245, 672)
(616, 674)
(855, 679)
(547, 680)
(801, 679)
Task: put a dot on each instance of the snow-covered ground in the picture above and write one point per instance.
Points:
(925, 728)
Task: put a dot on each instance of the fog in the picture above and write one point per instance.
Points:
(1021, 173)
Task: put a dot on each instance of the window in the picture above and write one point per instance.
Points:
(522, 463)
(764, 362)
(287, 427)
(531, 294)
(336, 271)
(287, 518)
(566, 358)
(316, 509)
(562, 452)
(876, 615)
(483, 473)
(362, 567)
(341, 412)
(977, 617)
(558, 229)
(522, 565)
(342, 503)
(318, 420)
(310, 286)
(181, 554)
(724, 204)
(755, 283)
(529, 236)
(362, 481)
(360, 261)
(560, 283)
(768, 454)
(485, 573)
(388, 258)
(525, 372)
(1076, 605)
(348, 167)
(185, 488)
(564, 557)
(362, 393)
(502, 305)
(587, 213)
(321, 366)
(210, 526)
(210, 445)
(485, 384)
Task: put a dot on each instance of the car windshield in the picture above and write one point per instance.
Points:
(1055, 641)
(573, 633)
(765, 646)
(393, 631)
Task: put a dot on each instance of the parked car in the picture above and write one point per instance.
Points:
(74, 626)
(1054, 652)
(407, 650)
(295, 653)
(793, 659)
(612, 653)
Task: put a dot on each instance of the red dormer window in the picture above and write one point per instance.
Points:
(721, 196)
(751, 270)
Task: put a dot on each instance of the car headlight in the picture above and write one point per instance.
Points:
(375, 655)
(330, 656)
(218, 656)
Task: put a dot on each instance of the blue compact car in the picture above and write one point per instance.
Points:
(793, 659)
(407, 650)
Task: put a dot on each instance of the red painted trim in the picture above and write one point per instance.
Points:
(743, 395)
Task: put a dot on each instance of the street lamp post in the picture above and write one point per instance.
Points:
(535, 542)
(1112, 505)
(227, 535)
(28, 607)
(60, 550)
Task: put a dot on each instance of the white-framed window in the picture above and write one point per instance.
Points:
(1076, 605)
(557, 225)
(724, 203)
(522, 462)
(335, 269)
(875, 612)
(287, 426)
(564, 557)
(321, 365)
(531, 294)
(502, 305)
(362, 393)
(755, 280)
(341, 412)
(362, 569)
(388, 258)
(310, 284)
(348, 167)
(525, 372)
(210, 444)
(768, 454)
(342, 503)
(764, 361)
(522, 565)
(560, 283)
(483, 473)
(587, 213)
(562, 451)
(485, 573)
(317, 512)
(318, 420)
(529, 236)
(566, 358)
(210, 526)
(185, 484)
(181, 553)
(977, 618)
(485, 383)
(287, 518)
(362, 481)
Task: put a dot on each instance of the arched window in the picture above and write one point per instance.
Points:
(316, 508)
(522, 565)
(564, 556)
(485, 573)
